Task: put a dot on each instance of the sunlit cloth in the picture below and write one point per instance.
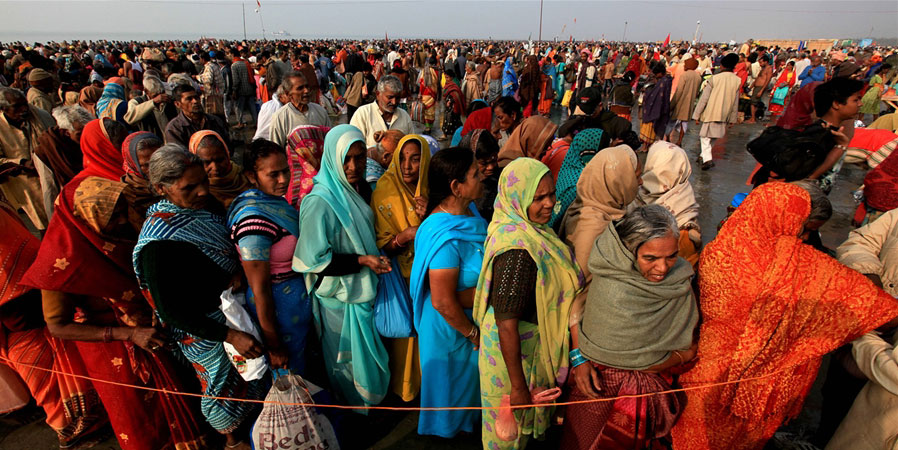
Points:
(100, 157)
(108, 103)
(88, 98)
(304, 147)
(530, 138)
(771, 306)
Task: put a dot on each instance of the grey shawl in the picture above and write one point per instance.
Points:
(630, 322)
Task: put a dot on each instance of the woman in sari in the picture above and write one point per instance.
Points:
(226, 178)
(113, 103)
(430, 92)
(479, 119)
(449, 249)
(136, 151)
(781, 89)
(637, 332)
(530, 139)
(72, 406)
(665, 182)
(523, 300)
(507, 117)
(381, 155)
(399, 203)
(771, 307)
(509, 78)
(304, 147)
(486, 151)
(265, 228)
(531, 84)
(455, 106)
(339, 257)
(582, 149)
(84, 267)
(872, 98)
(181, 243)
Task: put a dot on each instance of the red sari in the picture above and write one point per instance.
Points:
(72, 405)
(772, 306)
(75, 258)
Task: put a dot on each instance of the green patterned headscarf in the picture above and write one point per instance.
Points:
(559, 279)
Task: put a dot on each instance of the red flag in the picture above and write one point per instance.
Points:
(667, 41)
(258, 4)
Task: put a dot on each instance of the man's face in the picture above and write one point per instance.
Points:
(299, 92)
(190, 104)
(815, 61)
(18, 109)
(851, 107)
(387, 100)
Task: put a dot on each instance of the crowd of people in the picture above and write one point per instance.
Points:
(548, 250)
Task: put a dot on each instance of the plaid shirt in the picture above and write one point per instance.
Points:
(240, 77)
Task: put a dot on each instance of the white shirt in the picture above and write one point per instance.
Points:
(288, 117)
(801, 64)
(369, 120)
(266, 113)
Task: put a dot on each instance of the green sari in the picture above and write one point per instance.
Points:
(544, 346)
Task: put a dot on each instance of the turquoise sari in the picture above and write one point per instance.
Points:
(334, 218)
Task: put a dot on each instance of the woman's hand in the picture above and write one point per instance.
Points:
(147, 338)
(244, 343)
(278, 358)
(520, 396)
(379, 264)
(475, 338)
(420, 207)
(586, 377)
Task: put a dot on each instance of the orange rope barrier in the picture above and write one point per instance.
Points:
(400, 408)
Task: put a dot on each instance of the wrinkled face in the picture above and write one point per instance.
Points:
(387, 100)
(190, 191)
(488, 165)
(472, 188)
(656, 257)
(190, 104)
(354, 163)
(215, 160)
(410, 162)
(18, 109)
(540, 211)
(299, 92)
(272, 174)
(504, 119)
(75, 133)
(143, 158)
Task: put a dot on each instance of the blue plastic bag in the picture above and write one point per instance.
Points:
(393, 305)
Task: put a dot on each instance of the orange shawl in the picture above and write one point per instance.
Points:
(772, 306)
(531, 139)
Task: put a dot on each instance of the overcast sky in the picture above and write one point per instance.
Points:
(500, 19)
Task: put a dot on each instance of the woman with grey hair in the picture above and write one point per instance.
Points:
(59, 146)
(638, 329)
(180, 243)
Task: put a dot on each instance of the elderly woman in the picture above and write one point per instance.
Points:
(400, 204)
(339, 257)
(265, 228)
(530, 139)
(772, 306)
(381, 155)
(305, 145)
(226, 179)
(523, 300)
(91, 297)
(136, 151)
(449, 253)
(665, 182)
(637, 330)
(179, 244)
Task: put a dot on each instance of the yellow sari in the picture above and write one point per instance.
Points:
(393, 202)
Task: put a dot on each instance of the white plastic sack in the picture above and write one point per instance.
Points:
(238, 318)
(290, 427)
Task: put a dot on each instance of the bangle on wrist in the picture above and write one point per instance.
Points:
(577, 358)
(473, 332)
(396, 242)
(679, 356)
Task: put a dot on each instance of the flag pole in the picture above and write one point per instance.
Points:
(243, 8)
(540, 38)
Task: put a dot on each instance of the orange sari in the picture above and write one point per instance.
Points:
(772, 306)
